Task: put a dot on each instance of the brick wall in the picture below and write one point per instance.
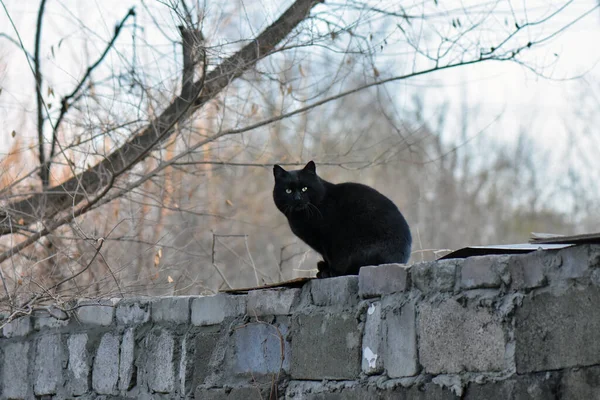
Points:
(494, 327)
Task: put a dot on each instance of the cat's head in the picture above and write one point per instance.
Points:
(298, 190)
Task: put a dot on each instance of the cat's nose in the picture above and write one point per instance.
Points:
(297, 196)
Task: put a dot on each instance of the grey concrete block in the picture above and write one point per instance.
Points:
(79, 368)
(212, 310)
(432, 277)
(375, 281)
(400, 341)
(44, 322)
(325, 346)
(19, 327)
(15, 361)
(533, 386)
(573, 262)
(96, 312)
(204, 365)
(527, 270)
(47, 369)
(202, 393)
(271, 302)
(341, 291)
(126, 357)
(484, 272)
(581, 383)
(105, 371)
(158, 369)
(558, 331)
(261, 348)
(372, 362)
(453, 338)
(173, 309)
(133, 311)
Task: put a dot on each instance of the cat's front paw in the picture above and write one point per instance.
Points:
(324, 271)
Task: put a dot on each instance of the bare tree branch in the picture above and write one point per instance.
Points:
(38, 91)
(77, 188)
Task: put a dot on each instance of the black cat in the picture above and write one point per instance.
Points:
(349, 224)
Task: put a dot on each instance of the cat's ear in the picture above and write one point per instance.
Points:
(310, 167)
(278, 172)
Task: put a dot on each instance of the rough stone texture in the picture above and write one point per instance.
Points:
(437, 276)
(483, 272)
(400, 341)
(204, 365)
(158, 370)
(47, 369)
(583, 383)
(126, 360)
(454, 338)
(338, 291)
(375, 281)
(105, 372)
(527, 270)
(535, 386)
(271, 302)
(259, 347)
(18, 327)
(533, 335)
(15, 360)
(372, 362)
(96, 312)
(79, 368)
(174, 309)
(558, 331)
(211, 310)
(325, 346)
(133, 311)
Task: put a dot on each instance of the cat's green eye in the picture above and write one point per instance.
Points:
(304, 189)
(288, 191)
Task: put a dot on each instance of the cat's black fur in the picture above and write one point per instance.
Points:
(349, 224)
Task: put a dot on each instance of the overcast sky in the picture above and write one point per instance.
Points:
(507, 96)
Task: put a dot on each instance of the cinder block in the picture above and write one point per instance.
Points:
(172, 309)
(105, 371)
(126, 357)
(400, 341)
(453, 338)
(558, 331)
(96, 312)
(531, 386)
(375, 281)
(341, 291)
(271, 302)
(484, 272)
(325, 346)
(372, 362)
(573, 262)
(158, 369)
(205, 345)
(18, 327)
(15, 361)
(212, 310)
(261, 348)
(581, 383)
(47, 369)
(527, 270)
(133, 311)
(433, 277)
(79, 368)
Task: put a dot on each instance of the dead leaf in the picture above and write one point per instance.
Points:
(376, 72)
(50, 91)
(21, 221)
(169, 279)
(13, 133)
(229, 203)
(301, 70)
(289, 89)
